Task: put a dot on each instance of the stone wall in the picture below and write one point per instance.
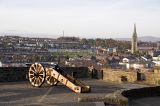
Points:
(77, 72)
(116, 75)
(152, 77)
(146, 76)
(12, 74)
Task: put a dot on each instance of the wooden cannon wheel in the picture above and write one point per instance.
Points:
(36, 74)
(49, 78)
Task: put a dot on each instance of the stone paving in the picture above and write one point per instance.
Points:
(22, 93)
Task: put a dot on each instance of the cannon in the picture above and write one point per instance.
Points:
(53, 74)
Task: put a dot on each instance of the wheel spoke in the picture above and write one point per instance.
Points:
(31, 73)
(48, 78)
(41, 72)
(33, 79)
(31, 76)
(40, 68)
(47, 73)
(33, 67)
(37, 67)
(52, 79)
(38, 81)
(41, 77)
(31, 70)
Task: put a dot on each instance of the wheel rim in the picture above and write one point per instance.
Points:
(49, 78)
(36, 74)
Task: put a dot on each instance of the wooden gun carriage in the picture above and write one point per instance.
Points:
(53, 74)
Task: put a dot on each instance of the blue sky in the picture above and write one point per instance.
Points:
(81, 18)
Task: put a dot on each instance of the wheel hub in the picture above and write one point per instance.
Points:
(36, 75)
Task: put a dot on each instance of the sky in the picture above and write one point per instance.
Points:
(80, 18)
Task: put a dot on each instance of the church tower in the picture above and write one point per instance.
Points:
(134, 48)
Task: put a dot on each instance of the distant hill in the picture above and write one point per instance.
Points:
(143, 38)
(34, 35)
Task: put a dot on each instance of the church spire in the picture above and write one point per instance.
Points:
(135, 32)
(134, 48)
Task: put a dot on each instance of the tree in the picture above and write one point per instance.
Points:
(84, 41)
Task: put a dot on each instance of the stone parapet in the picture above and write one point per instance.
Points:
(13, 74)
(116, 75)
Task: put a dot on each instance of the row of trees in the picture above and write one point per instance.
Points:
(106, 43)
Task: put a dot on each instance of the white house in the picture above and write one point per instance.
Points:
(125, 60)
(157, 58)
(112, 50)
(129, 59)
(157, 63)
(134, 63)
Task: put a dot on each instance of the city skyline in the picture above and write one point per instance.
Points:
(81, 18)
